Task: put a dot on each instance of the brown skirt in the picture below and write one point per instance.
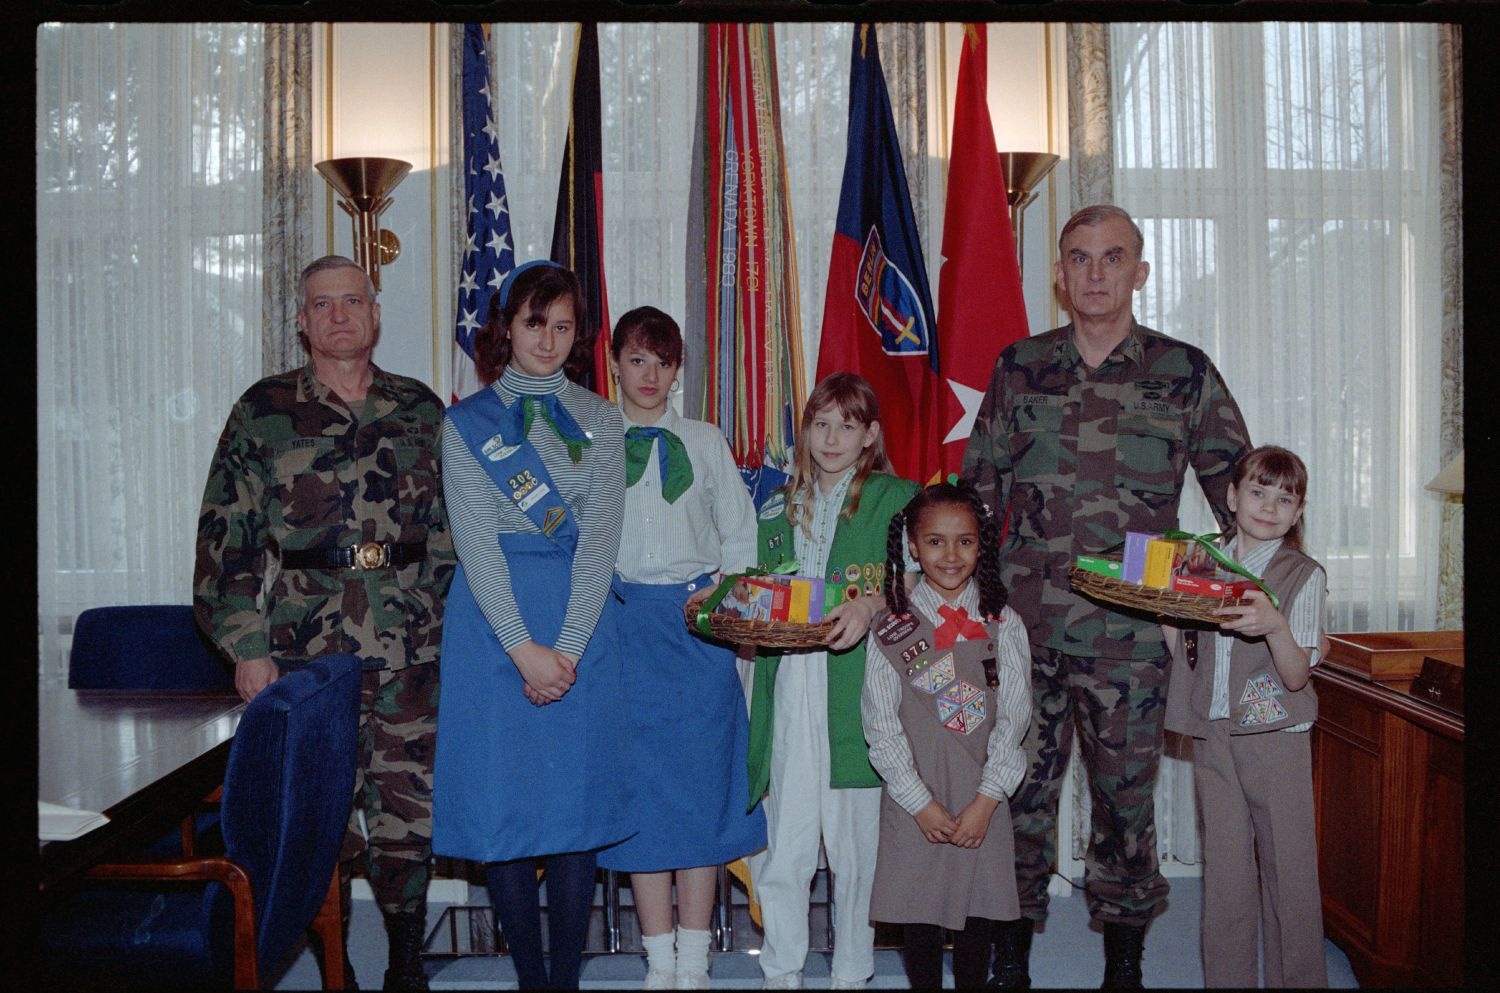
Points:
(917, 882)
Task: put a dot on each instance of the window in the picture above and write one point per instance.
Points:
(148, 297)
(1285, 177)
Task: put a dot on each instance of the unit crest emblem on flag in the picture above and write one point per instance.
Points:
(889, 301)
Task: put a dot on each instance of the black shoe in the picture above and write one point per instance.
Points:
(1011, 968)
(1123, 945)
(405, 974)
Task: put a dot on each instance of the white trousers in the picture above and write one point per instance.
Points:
(800, 810)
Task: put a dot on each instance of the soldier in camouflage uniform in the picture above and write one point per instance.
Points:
(323, 530)
(1086, 432)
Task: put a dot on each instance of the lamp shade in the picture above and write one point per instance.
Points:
(364, 182)
(1023, 170)
(1451, 479)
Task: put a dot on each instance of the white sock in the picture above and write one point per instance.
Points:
(692, 952)
(659, 951)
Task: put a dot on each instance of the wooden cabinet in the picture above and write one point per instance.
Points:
(1388, 778)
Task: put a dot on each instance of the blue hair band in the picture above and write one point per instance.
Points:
(510, 277)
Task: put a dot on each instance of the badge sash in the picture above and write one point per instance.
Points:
(492, 432)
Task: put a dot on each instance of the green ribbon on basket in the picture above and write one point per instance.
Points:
(1206, 541)
(706, 608)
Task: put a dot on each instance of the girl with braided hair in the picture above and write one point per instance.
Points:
(946, 701)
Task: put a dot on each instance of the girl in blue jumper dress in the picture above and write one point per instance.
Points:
(690, 517)
(528, 722)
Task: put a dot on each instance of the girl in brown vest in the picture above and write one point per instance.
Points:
(1246, 699)
(946, 702)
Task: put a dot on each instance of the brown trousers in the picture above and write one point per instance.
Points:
(1260, 863)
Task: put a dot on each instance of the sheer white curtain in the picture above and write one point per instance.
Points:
(148, 300)
(1286, 178)
(812, 67)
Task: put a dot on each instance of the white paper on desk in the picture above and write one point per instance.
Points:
(59, 823)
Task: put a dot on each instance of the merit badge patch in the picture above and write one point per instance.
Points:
(851, 592)
(496, 449)
(554, 517)
(837, 576)
(1261, 687)
(889, 302)
(1263, 708)
(929, 676)
(961, 708)
(896, 629)
(1263, 712)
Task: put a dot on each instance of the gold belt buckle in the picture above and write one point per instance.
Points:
(372, 555)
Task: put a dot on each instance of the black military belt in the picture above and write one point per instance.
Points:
(370, 555)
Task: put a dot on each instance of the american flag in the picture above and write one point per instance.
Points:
(488, 251)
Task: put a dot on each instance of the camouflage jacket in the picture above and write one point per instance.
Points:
(1078, 457)
(295, 469)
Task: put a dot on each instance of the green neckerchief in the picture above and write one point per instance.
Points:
(676, 467)
(556, 415)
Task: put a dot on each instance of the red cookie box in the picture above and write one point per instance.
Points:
(1203, 586)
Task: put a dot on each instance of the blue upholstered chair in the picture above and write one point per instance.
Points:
(286, 801)
(152, 647)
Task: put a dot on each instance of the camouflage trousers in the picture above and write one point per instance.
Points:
(1118, 706)
(393, 787)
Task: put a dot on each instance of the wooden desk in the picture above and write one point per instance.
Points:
(143, 758)
(1388, 781)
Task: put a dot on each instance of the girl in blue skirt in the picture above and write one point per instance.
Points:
(690, 517)
(528, 721)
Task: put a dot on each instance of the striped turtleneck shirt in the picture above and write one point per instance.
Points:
(593, 488)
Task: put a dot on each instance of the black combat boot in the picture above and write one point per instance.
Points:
(1011, 968)
(1123, 945)
(405, 975)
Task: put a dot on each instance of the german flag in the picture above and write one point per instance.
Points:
(578, 229)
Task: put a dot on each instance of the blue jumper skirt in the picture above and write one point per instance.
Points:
(512, 780)
(687, 733)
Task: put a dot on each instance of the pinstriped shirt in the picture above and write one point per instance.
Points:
(1304, 616)
(890, 751)
(593, 488)
(709, 528)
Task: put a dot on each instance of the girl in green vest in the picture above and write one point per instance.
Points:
(807, 749)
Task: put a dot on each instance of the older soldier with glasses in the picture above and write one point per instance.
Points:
(1086, 432)
(323, 530)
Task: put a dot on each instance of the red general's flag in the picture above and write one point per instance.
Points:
(877, 320)
(578, 230)
(980, 307)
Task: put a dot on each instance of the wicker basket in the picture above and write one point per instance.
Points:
(763, 634)
(1168, 605)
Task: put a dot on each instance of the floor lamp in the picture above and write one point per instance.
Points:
(1023, 171)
